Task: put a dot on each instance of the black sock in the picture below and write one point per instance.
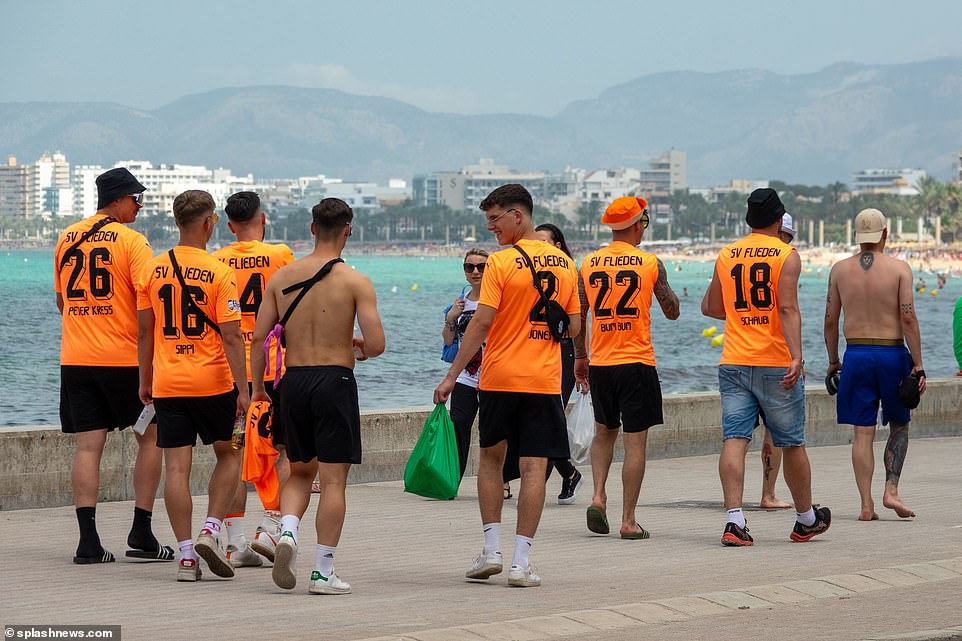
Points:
(89, 545)
(141, 537)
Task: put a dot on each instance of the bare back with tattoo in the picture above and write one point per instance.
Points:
(872, 289)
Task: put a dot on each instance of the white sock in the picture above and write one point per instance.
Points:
(737, 517)
(214, 525)
(522, 545)
(235, 531)
(289, 523)
(187, 549)
(324, 559)
(806, 518)
(492, 537)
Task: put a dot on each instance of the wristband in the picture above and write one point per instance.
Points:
(920, 373)
(834, 362)
(585, 355)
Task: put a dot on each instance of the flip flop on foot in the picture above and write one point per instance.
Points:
(597, 519)
(164, 553)
(636, 536)
(103, 557)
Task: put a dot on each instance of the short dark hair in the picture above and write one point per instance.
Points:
(190, 205)
(331, 215)
(557, 236)
(507, 196)
(242, 206)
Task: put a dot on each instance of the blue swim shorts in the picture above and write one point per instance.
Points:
(746, 389)
(870, 374)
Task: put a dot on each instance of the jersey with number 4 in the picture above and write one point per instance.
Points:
(748, 271)
(98, 285)
(254, 262)
(189, 357)
(619, 280)
(520, 355)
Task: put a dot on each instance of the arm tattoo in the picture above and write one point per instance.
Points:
(663, 292)
(866, 260)
(907, 308)
(895, 450)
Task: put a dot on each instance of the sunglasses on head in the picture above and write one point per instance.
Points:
(138, 198)
(470, 267)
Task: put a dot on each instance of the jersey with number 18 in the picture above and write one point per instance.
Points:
(748, 271)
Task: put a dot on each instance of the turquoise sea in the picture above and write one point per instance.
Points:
(411, 293)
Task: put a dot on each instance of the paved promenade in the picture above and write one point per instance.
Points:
(405, 557)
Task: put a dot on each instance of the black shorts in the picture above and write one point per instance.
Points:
(181, 419)
(277, 424)
(95, 398)
(320, 414)
(628, 395)
(534, 423)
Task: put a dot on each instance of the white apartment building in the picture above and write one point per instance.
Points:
(897, 182)
(463, 190)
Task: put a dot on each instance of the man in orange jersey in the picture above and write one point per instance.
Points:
(254, 262)
(617, 283)
(312, 305)
(520, 385)
(191, 352)
(874, 291)
(754, 289)
(97, 265)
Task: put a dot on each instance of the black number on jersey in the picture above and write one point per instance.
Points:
(603, 282)
(759, 287)
(250, 298)
(192, 325)
(100, 280)
(549, 283)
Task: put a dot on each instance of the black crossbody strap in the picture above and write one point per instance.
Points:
(305, 286)
(534, 276)
(188, 298)
(83, 237)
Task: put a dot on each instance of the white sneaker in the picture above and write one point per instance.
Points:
(485, 566)
(520, 577)
(264, 543)
(328, 585)
(188, 570)
(244, 558)
(209, 549)
(285, 558)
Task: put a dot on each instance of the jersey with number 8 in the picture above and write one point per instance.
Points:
(748, 271)
(98, 285)
(619, 280)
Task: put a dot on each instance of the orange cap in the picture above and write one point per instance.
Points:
(623, 212)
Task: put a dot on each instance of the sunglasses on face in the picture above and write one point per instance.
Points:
(470, 267)
(644, 219)
(491, 221)
(138, 198)
(214, 218)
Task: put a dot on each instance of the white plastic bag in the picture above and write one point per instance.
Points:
(581, 429)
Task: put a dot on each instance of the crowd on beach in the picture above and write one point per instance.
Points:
(253, 352)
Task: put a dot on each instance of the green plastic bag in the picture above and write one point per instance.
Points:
(434, 470)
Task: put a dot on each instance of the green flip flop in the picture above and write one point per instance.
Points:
(637, 536)
(597, 520)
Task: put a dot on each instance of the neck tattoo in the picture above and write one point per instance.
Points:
(866, 260)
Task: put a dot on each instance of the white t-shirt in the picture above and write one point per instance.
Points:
(470, 374)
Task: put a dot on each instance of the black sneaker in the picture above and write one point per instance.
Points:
(735, 536)
(569, 487)
(823, 520)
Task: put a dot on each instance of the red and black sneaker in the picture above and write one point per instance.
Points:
(823, 520)
(735, 536)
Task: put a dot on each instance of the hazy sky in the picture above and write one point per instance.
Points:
(466, 57)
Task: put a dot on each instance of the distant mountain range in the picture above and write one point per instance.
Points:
(814, 128)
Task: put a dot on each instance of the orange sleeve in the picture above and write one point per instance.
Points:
(140, 254)
(287, 256)
(227, 306)
(491, 283)
(57, 287)
(143, 286)
(574, 302)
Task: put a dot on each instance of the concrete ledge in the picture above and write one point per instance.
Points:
(37, 460)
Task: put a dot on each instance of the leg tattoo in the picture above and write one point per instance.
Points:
(895, 450)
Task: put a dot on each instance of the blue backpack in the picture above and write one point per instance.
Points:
(450, 352)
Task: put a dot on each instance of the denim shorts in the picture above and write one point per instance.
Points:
(745, 390)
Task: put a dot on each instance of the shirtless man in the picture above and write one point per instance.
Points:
(318, 394)
(875, 293)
